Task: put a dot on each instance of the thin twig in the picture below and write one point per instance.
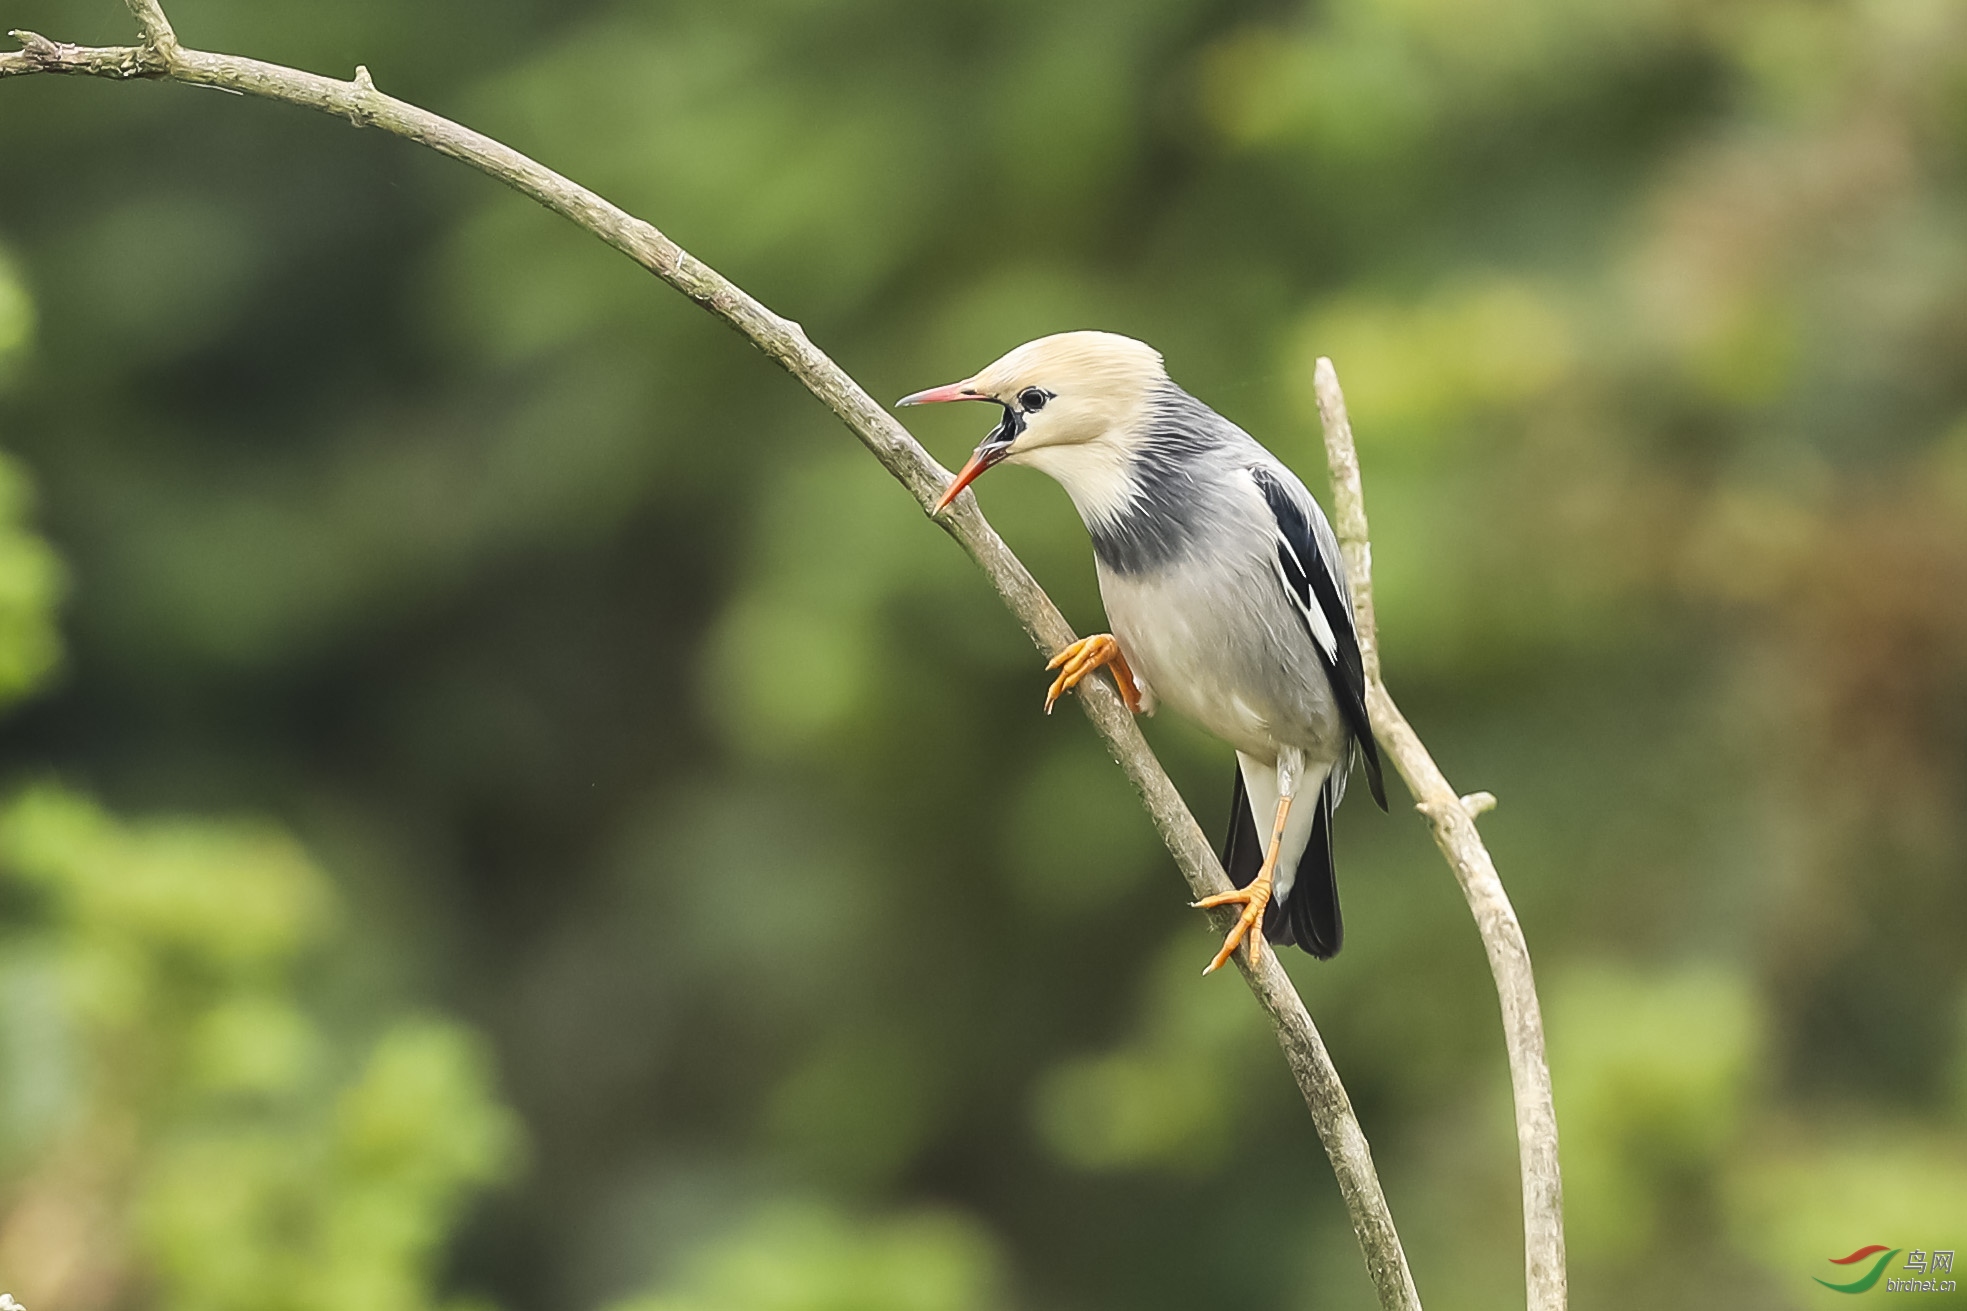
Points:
(785, 342)
(1452, 818)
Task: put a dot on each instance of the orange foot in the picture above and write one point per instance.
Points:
(1082, 658)
(1253, 897)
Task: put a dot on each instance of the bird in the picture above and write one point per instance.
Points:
(1227, 596)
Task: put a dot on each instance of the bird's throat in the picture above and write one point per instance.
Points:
(1097, 475)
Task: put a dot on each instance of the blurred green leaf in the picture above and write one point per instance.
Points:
(190, 1143)
(1170, 1098)
(1653, 1075)
(809, 1258)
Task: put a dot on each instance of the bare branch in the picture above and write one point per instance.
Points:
(1452, 818)
(786, 343)
(40, 55)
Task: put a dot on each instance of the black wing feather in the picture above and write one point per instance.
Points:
(1309, 576)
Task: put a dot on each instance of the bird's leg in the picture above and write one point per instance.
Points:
(1082, 658)
(1254, 897)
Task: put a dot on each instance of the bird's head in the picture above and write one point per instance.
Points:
(1071, 401)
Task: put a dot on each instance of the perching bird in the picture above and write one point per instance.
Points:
(1227, 596)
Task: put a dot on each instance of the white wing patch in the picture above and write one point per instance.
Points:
(1299, 590)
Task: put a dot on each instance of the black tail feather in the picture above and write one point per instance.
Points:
(1314, 901)
(1243, 849)
(1309, 917)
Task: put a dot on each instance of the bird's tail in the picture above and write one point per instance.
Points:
(1309, 917)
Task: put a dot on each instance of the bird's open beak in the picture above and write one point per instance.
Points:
(994, 448)
(986, 455)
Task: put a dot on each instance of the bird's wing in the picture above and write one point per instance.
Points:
(1313, 575)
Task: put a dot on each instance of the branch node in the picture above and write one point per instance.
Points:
(360, 112)
(1479, 803)
(38, 49)
(158, 35)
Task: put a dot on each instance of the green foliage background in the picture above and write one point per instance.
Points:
(510, 807)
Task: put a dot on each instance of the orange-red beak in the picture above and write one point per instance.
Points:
(956, 391)
(995, 447)
(985, 456)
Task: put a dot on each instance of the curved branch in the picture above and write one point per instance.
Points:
(160, 56)
(1452, 818)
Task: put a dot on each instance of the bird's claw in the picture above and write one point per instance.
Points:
(1254, 899)
(1082, 658)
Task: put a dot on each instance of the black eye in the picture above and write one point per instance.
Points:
(1032, 399)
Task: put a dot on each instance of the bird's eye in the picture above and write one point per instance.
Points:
(1031, 399)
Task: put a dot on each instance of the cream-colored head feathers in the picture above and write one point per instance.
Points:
(1095, 384)
(1075, 407)
(1082, 399)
